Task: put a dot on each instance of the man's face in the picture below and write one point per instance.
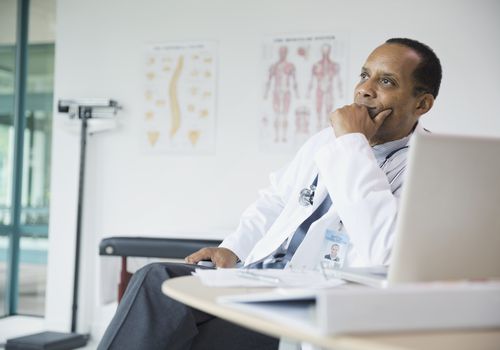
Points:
(334, 250)
(386, 82)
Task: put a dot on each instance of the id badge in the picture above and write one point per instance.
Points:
(336, 244)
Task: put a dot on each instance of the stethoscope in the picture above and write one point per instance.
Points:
(306, 195)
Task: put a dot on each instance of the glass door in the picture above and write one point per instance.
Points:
(25, 156)
(8, 24)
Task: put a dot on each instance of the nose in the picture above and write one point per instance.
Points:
(365, 90)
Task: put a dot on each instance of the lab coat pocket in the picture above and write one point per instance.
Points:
(310, 251)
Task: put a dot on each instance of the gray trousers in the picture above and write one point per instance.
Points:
(148, 319)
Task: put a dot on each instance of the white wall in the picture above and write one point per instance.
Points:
(99, 53)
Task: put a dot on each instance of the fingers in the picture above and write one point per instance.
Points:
(202, 254)
(357, 118)
(221, 257)
(350, 119)
(379, 118)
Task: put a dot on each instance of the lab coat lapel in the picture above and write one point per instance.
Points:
(290, 219)
(306, 256)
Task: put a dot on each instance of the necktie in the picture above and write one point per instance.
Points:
(281, 260)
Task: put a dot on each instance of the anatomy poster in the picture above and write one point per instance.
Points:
(303, 79)
(179, 95)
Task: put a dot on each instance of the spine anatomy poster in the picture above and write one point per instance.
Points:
(179, 95)
(303, 79)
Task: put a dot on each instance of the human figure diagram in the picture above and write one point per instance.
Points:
(283, 74)
(325, 72)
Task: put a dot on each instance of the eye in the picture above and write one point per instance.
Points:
(387, 82)
(363, 75)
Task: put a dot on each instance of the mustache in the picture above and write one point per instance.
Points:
(373, 111)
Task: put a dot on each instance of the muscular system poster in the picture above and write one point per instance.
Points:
(179, 95)
(303, 79)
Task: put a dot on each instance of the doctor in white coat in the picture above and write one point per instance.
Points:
(357, 166)
(360, 162)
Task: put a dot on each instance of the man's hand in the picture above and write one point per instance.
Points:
(356, 118)
(221, 257)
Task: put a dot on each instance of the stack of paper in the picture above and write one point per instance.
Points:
(266, 278)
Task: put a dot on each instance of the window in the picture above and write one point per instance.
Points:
(8, 24)
(24, 204)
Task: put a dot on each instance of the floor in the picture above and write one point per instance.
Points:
(32, 281)
(31, 301)
(17, 326)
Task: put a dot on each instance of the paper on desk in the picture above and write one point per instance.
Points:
(265, 278)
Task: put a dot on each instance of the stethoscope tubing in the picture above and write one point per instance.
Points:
(306, 195)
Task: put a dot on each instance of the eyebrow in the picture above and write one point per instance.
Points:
(384, 74)
(390, 75)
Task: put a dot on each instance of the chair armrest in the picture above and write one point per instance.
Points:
(173, 248)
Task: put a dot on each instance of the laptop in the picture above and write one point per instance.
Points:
(448, 225)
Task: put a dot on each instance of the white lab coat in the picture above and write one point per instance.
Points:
(361, 194)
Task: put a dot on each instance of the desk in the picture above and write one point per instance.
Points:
(190, 291)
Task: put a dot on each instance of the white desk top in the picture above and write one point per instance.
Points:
(190, 291)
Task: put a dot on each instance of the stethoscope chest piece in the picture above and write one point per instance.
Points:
(306, 195)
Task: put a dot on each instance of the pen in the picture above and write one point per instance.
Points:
(259, 277)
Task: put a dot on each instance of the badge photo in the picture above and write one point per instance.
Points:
(335, 246)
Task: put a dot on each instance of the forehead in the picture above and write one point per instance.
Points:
(393, 59)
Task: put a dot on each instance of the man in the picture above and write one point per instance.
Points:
(351, 177)
(334, 251)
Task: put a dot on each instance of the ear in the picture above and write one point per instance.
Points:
(424, 104)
